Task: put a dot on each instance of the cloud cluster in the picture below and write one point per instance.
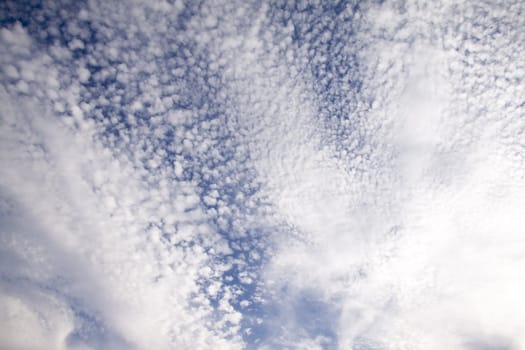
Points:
(112, 208)
(261, 175)
(411, 217)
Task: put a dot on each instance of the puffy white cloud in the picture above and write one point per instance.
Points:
(113, 230)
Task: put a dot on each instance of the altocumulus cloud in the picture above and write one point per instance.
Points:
(262, 175)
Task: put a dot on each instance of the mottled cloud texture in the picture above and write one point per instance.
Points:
(262, 175)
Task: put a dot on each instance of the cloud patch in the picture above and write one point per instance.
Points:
(261, 175)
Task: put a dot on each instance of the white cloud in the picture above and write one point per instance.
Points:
(396, 233)
(260, 176)
(94, 215)
(41, 322)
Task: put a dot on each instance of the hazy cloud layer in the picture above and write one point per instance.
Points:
(275, 175)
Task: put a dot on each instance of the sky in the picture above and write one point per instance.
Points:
(262, 174)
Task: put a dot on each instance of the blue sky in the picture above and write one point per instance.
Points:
(262, 175)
